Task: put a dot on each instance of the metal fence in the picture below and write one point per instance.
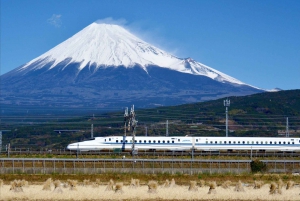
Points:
(149, 166)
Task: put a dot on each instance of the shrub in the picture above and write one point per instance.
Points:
(258, 166)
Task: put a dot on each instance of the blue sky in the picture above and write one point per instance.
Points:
(257, 42)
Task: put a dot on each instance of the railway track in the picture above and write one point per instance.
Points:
(64, 152)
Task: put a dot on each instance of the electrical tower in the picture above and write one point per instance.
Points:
(130, 123)
(227, 104)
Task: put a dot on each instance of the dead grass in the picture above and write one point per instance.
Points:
(73, 184)
(180, 192)
(167, 184)
(193, 186)
(134, 183)
(96, 184)
(110, 185)
(57, 187)
(239, 187)
(212, 187)
(47, 184)
(290, 184)
(258, 184)
(118, 188)
(226, 184)
(201, 183)
(152, 186)
(173, 183)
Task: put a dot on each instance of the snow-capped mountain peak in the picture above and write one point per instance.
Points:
(112, 45)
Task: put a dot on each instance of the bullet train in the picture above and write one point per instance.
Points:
(188, 143)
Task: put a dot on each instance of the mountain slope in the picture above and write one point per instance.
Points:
(105, 65)
(111, 45)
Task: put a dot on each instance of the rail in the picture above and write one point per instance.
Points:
(196, 153)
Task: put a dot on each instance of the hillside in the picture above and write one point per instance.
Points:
(261, 114)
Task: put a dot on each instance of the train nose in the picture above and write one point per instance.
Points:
(72, 146)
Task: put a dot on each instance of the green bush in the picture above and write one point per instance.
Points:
(258, 166)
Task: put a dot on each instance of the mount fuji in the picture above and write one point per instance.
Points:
(104, 65)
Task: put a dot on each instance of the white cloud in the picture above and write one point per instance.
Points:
(55, 20)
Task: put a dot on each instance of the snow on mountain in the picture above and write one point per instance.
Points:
(111, 45)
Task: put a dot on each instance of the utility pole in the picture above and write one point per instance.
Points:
(92, 131)
(0, 141)
(126, 117)
(287, 134)
(167, 128)
(227, 104)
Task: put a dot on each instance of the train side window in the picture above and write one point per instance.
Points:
(279, 142)
(247, 142)
(229, 142)
(293, 143)
(211, 142)
(252, 142)
(158, 141)
(256, 142)
(220, 142)
(109, 139)
(168, 141)
(135, 141)
(172, 141)
(243, 142)
(288, 142)
(145, 141)
(178, 140)
(104, 140)
(206, 142)
(270, 142)
(149, 141)
(283, 142)
(117, 141)
(153, 141)
(197, 140)
(163, 141)
(225, 142)
(261, 142)
(266, 142)
(121, 141)
(140, 141)
(216, 142)
(239, 142)
(275, 142)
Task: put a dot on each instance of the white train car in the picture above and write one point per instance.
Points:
(187, 143)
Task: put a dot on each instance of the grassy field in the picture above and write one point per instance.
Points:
(95, 188)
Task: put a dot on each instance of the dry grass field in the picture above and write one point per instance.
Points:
(109, 190)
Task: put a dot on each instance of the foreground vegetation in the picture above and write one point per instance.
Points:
(113, 186)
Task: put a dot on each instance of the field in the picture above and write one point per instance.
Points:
(96, 190)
